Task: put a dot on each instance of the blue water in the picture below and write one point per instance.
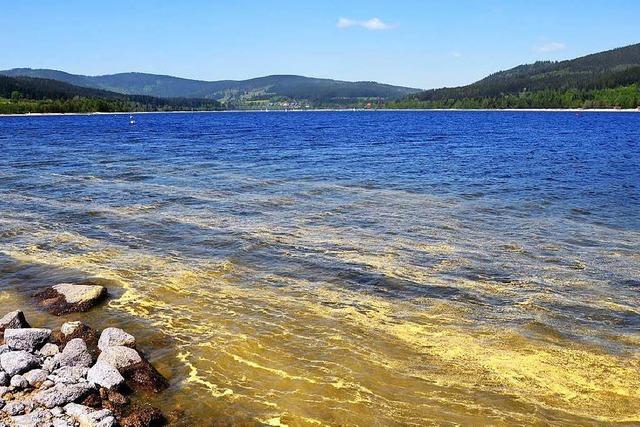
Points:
(524, 224)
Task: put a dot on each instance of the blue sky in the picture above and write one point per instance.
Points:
(413, 43)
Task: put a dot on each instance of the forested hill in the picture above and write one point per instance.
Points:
(26, 94)
(235, 92)
(605, 79)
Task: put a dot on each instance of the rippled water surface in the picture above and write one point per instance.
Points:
(346, 268)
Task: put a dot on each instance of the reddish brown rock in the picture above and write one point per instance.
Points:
(143, 416)
(143, 376)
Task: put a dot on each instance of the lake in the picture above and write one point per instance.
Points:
(345, 268)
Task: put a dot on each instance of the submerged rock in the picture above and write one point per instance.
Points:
(143, 416)
(28, 339)
(67, 298)
(144, 376)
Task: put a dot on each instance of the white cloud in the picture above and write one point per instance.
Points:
(373, 24)
(456, 54)
(550, 47)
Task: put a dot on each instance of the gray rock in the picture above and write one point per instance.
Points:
(4, 378)
(105, 375)
(51, 363)
(111, 337)
(67, 298)
(77, 294)
(13, 320)
(49, 350)
(36, 377)
(38, 418)
(28, 339)
(63, 422)
(4, 348)
(17, 362)
(70, 327)
(19, 382)
(69, 374)
(61, 394)
(14, 407)
(75, 353)
(89, 417)
(46, 384)
(4, 390)
(119, 357)
(2, 403)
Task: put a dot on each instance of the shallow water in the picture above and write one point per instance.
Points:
(346, 268)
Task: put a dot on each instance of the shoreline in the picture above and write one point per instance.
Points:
(337, 110)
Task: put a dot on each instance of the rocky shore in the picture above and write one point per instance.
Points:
(74, 376)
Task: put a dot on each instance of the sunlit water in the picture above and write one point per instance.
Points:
(350, 268)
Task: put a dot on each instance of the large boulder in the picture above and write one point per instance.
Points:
(61, 394)
(17, 362)
(13, 320)
(105, 375)
(75, 353)
(119, 357)
(28, 339)
(137, 371)
(111, 337)
(89, 417)
(67, 298)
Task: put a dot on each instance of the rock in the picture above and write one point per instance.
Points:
(143, 376)
(75, 353)
(143, 416)
(4, 348)
(51, 363)
(4, 378)
(37, 418)
(13, 320)
(36, 377)
(69, 374)
(46, 384)
(119, 357)
(49, 350)
(61, 394)
(68, 328)
(3, 390)
(105, 375)
(77, 330)
(111, 337)
(14, 407)
(17, 362)
(89, 417)
(19, 382)
(28, 339)
(67, 298)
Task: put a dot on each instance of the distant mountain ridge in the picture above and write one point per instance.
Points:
(257, 89)
(30, 94)
(603, 70)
